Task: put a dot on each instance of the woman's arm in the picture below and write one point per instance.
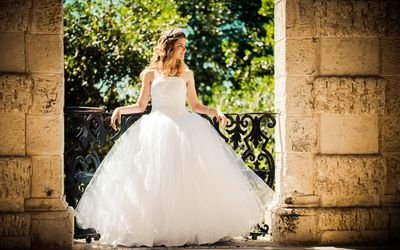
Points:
(197, 106)
(140, 105)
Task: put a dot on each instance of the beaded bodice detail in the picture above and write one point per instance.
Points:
(168, 95)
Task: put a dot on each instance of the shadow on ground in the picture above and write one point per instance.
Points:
(262, 243)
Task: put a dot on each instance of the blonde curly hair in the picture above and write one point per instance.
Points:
(162, 53)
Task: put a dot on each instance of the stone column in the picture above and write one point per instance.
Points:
(337, 138)
(33, 211)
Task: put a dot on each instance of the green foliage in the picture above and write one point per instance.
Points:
(230, 49)
(231, 52)
(107, 44)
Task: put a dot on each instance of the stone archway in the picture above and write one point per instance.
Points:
(338, 139)
(33, 212)
(338, 147)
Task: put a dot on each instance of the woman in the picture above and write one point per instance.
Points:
(170, 179)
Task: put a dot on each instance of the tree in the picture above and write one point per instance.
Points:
(233, 46)
(107, 44)
(230, 49)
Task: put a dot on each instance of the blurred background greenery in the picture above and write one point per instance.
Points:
(107, 43)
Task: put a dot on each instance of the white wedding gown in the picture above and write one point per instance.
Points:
(171, 180)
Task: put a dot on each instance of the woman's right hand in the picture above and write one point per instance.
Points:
(116, 115)
(221, 118)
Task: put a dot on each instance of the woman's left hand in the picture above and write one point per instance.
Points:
(221, 118)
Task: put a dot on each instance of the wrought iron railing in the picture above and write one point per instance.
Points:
(89, 136)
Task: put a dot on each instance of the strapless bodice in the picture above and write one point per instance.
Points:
(168, 95)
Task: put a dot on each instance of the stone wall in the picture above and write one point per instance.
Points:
(337, 90)
(33, 211)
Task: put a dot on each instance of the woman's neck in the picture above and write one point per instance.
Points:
(171, 71)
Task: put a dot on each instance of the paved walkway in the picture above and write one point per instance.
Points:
(237, 243)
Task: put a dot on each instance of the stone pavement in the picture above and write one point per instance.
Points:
(237, 243)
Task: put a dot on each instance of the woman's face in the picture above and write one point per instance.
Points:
(179, 49)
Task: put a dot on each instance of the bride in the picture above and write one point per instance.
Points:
(170, 179)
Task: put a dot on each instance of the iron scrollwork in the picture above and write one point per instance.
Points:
(89, 136)
(248, 135)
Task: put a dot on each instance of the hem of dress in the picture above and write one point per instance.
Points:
(189, 244)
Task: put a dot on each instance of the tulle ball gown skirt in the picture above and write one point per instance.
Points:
(172, 181)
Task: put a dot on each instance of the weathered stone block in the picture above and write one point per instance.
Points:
(349, 134)
(354, 237)
(390, 129)
(47, 16)
(353, 219)
(45, 53)
(12, 52)
(351, 113)
(279, 166)
(293, 95)
(392, 17)
(391, 133)
(394, 225)
(15, 231)
(298, 167)
(12, 134)
(18, 242)
(390, 56)
(299, 200)
(280, 58)
(348, 95)
(301, 134)
(49, 94)
(392, 95)
(52, 229)
(350, 180)
(390, 200)
(280, 94)
(44, 134)
(14, 15)
(301, 56)
(350, 18)
(330, 133)
(15, 92)
(294, 225)
(393, 173)
(43, 204)
(299, 18)
(349, 56)
(15, 183)
(13, 225)
(280, 134)
(354, 225)
(295, 56)
(47, 177)
(279, 20)
(360, 134)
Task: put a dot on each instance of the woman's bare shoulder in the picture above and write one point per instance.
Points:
(187, 75)
(149, 73)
